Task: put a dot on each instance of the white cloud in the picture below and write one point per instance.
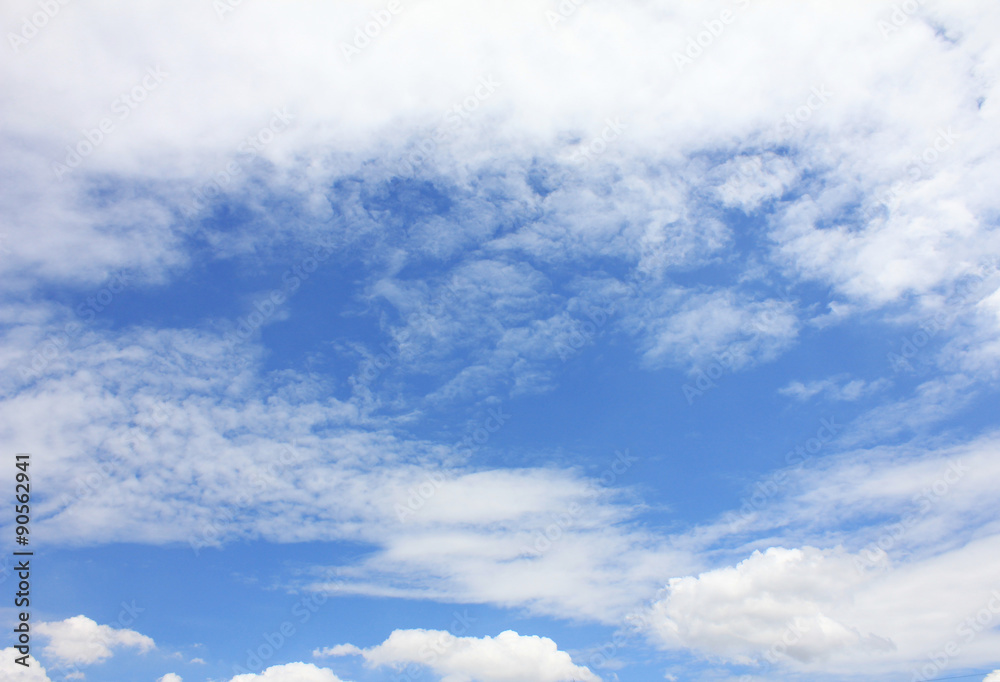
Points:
(775, 605)
(81, 641)
(724, 327)
(851, 560)
(508, 657)
(290, 672)
(170, 677)
(10, 670)
(992, 677)
(835, 388)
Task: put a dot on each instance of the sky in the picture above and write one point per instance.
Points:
(535, 340)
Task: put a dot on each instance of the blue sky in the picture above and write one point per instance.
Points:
(553, 341)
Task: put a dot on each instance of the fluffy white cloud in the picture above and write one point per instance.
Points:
(81, 641)
(992, 677)
(290, 672)
(896, 525)
(170, 677)
(9, 670)
(779, 604)
(508, 657)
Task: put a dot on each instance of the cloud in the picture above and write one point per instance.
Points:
(845, 562)
(81, 641)
(694, 329)
(835, 388)
(9, 670)
(170, 677)
(508, 657)
(290, 672)
(992, 677)
(774, 605)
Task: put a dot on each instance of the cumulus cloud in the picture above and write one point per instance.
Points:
(774, 605)
(290, 672)
(170, 677)
(508, 657)
(879, 202)
(842, 562)
(81, 641)
(9, 670)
